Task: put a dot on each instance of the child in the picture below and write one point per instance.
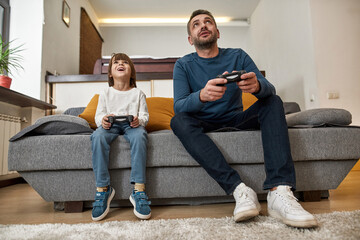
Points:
(121, 98)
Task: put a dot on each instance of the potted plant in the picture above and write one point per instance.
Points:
(9, 61)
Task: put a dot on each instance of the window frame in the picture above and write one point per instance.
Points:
(6, 21)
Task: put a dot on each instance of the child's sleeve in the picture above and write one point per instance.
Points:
(143, 114)
(100, 110)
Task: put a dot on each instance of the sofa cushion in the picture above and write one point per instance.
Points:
(55, 125)
(248, 99)
(161, 110)
(291, 107)
(165, 149)
(74, 111)
(62, 118)
(89, 113)
(319, 117)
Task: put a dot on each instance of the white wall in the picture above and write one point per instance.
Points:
(61, 44)
(27, 29)
(336, 31)
(281, 44)
(50, 45)
(162, 41)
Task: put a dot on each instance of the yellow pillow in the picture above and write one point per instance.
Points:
(248, 99)
(89, 113)
(161, 110)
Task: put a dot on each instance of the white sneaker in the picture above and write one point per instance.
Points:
(247, 205)
(284, 206)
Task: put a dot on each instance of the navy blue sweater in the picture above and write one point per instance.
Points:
(191, 73)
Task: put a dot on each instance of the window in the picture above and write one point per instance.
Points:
(4, 19)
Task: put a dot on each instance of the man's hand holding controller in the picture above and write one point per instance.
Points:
(215, 88)
(249, 83)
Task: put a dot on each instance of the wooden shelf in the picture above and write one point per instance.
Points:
(21, 100)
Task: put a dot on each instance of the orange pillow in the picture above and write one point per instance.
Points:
(89, 113)
(248, 99)
(161, 110)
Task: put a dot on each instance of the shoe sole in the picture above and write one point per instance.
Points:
(246, 215)
(107, 209)
(139, 215)
(299, 224)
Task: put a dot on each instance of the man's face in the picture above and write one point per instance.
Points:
(203, 32)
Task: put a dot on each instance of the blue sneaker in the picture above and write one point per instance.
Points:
(101, 205)
(141, 204)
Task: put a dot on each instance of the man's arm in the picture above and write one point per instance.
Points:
(187, 101)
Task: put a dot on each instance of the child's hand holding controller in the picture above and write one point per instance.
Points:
(135, 123)
(105, 122)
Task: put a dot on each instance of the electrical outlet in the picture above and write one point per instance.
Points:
(332, 95)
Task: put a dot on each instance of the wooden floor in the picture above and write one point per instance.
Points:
(20, 204)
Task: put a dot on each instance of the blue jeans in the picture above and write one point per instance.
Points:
(266, 114)
(100, 145)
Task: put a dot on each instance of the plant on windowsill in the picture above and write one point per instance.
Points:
(9, 61)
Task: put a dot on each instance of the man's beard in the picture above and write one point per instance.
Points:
(205, 44)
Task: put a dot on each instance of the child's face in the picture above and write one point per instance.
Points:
(121, 70)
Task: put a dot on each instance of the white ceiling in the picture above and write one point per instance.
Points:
(236, 9)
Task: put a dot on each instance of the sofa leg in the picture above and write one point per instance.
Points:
(74, 206)
(311, 196)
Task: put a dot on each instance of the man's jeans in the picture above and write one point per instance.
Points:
(100, 144)
(266, 114)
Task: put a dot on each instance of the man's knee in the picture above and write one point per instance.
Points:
(181, 122)
(175, 122)
(273, 101)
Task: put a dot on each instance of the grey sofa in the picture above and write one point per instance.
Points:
(59, 167)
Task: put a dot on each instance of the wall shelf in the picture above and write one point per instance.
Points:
(21, 100)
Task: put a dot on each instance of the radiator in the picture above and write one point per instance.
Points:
(9, 126)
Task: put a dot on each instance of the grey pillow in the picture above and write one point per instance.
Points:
(63, 118)
(318, 117)
(75, 111)
(291, 107)
(55, 125)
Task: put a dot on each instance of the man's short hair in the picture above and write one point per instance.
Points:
(198, 12)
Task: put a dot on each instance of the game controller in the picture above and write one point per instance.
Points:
(232, 77)
(127, 118)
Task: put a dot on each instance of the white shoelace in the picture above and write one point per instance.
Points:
(242, 194)
(289, 199)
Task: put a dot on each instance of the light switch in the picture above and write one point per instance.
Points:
(332, 95)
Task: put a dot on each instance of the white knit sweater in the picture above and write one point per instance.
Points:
(131, 102)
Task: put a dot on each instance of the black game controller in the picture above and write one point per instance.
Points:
(232, 77)
(127, 118)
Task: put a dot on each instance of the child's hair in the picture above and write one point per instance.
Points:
(122, 56)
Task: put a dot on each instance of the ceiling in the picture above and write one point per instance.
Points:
(235, 9)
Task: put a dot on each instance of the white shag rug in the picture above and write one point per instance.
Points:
(336, 225)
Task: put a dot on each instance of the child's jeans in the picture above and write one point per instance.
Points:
(100, 144)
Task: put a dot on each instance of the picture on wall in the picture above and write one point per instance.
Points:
(66, 13)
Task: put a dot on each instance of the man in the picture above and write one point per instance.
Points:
(202, 105)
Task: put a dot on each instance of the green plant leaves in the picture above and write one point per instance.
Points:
(10, 59)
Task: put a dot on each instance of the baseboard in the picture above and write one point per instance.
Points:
(10, 179)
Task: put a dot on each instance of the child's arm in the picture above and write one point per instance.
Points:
(101, 112)
(143, 114)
